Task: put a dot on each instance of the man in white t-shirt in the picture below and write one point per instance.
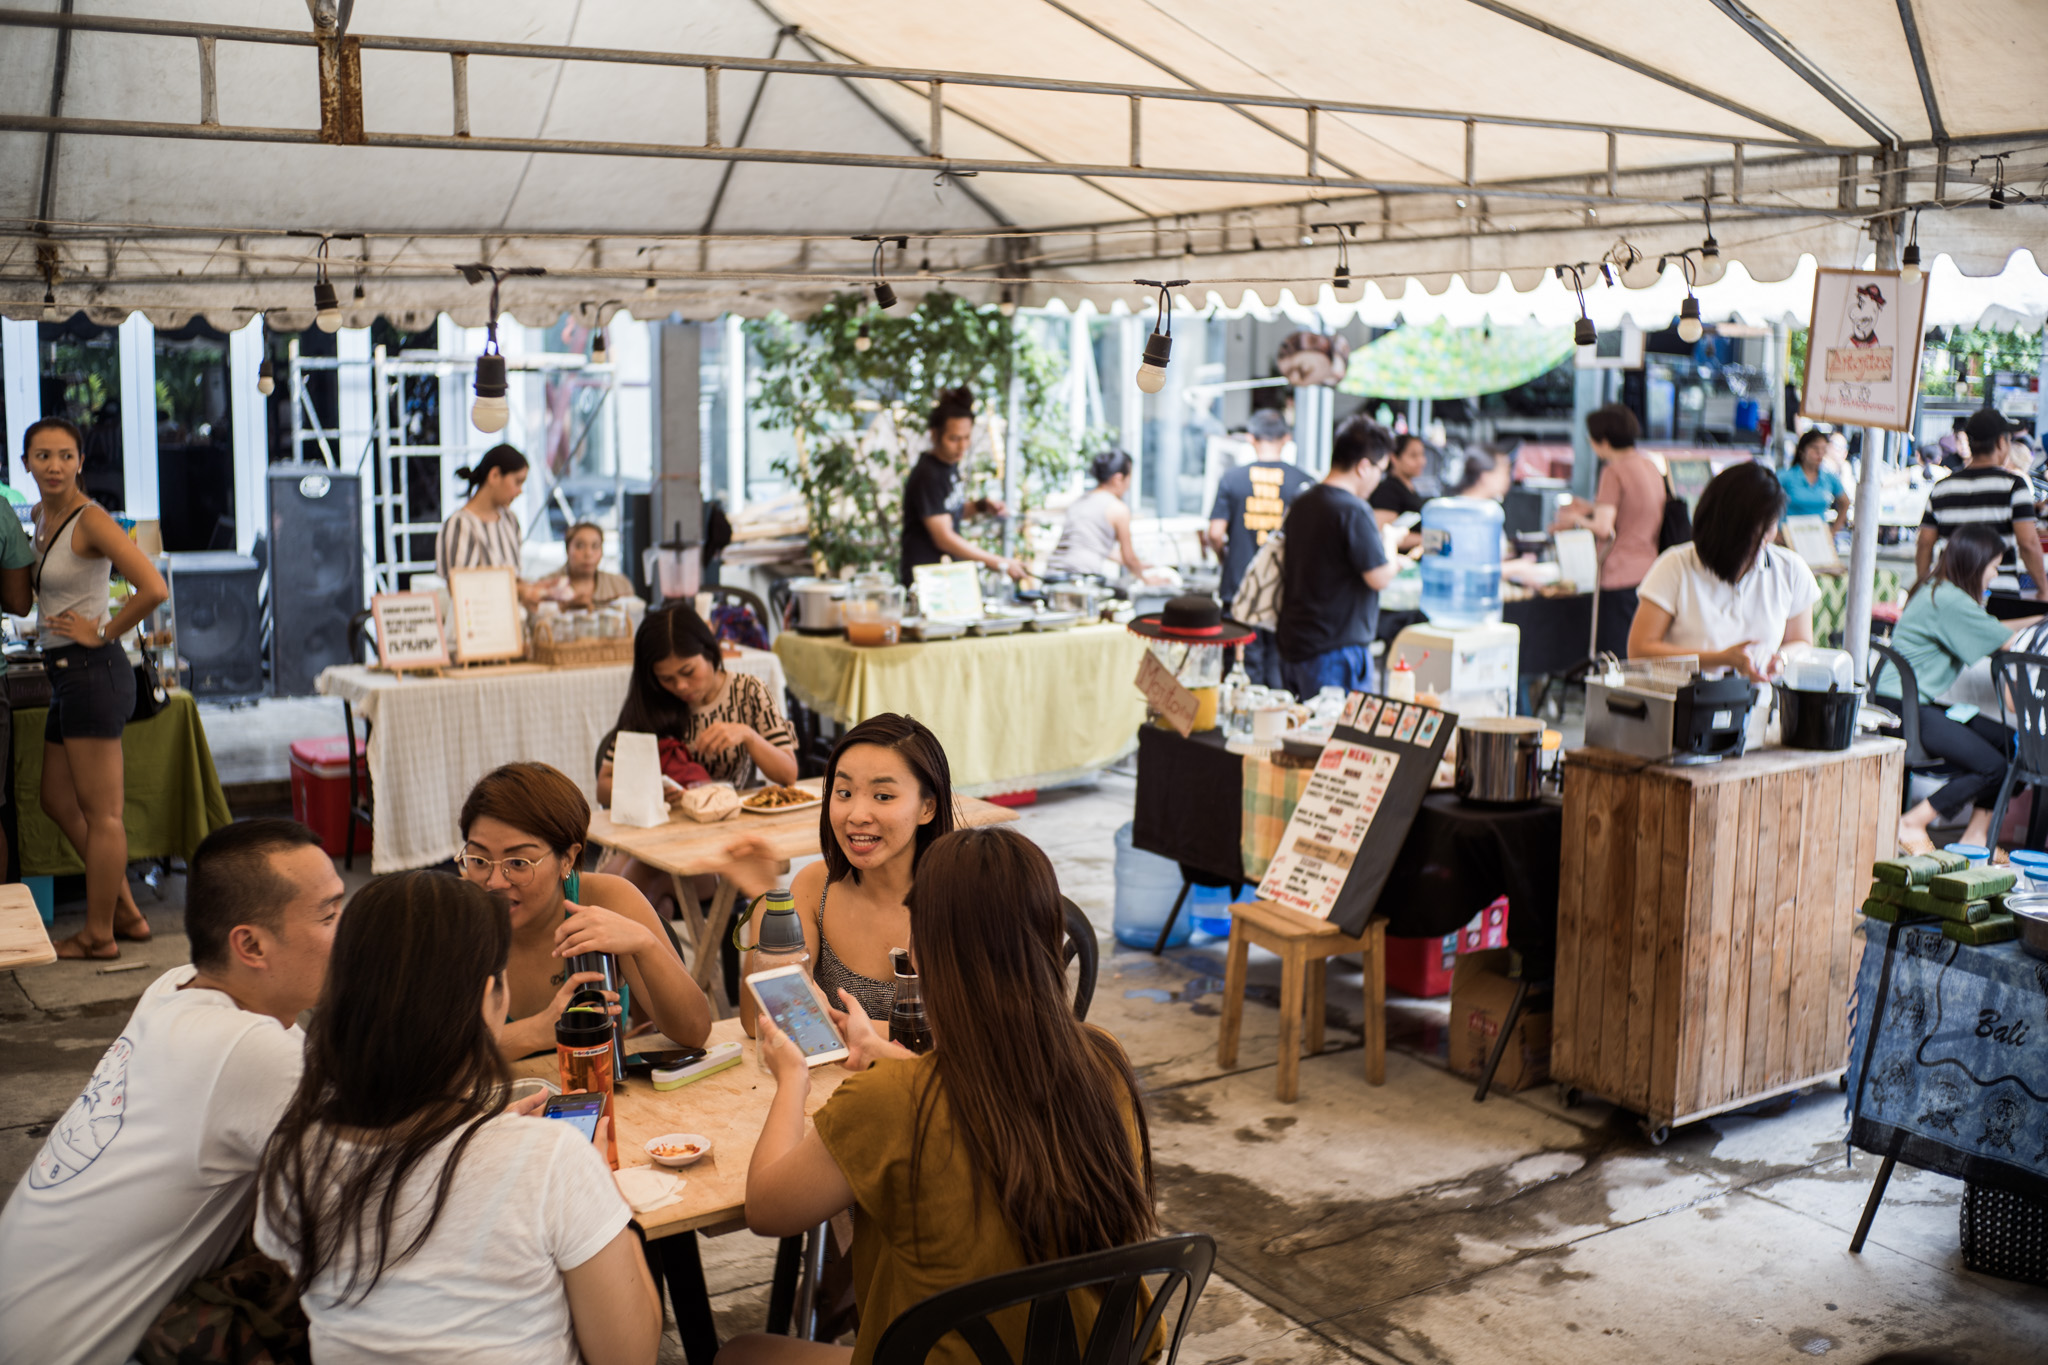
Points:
(149, 1179)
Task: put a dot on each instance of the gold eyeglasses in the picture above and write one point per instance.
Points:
(518, 871)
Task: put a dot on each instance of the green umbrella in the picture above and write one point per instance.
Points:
(1441, 361)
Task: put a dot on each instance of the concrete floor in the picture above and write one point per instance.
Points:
(1398, 1224)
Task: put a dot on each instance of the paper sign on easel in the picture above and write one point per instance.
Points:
(489, 623)
(1165, 694)
(636, 781)
(409, 630)
(1328, 826)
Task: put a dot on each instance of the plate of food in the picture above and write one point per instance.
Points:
(774, 800)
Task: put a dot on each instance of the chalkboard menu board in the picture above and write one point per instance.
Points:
(1348, 828)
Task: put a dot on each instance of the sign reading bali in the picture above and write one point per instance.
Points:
(1863, 353)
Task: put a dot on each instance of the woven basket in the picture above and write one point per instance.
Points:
(580, 653)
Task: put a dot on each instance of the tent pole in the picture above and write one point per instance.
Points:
(1863, 549)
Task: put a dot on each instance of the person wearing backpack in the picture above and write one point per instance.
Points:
(1627, 515)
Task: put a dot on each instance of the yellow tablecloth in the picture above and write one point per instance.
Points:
(1014, 711)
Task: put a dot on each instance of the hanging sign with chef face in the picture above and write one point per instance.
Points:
(1863, 353)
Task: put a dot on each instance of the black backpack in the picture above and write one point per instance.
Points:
(1676, 526)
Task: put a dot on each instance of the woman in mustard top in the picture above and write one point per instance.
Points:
(981, 1156)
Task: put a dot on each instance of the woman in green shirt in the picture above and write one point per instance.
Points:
(1942, 631)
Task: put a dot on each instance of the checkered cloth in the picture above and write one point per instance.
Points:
(1270, 795)
(1831, 612)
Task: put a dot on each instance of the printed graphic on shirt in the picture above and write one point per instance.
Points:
(1265, 509)
(89, 1125)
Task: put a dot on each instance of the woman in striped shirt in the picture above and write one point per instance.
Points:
(484, 532)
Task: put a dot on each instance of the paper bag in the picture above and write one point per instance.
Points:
(712, 801)
(636, 781)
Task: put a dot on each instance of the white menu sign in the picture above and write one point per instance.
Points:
(1328, 827)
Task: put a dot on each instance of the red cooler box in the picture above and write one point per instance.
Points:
(320, 792)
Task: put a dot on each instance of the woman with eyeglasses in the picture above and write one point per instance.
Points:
(523, 831)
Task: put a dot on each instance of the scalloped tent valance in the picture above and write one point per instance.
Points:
(721, 156)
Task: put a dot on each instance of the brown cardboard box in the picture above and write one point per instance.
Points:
(1480, 995)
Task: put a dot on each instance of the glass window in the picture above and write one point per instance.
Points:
(195, 440)
(80, 364)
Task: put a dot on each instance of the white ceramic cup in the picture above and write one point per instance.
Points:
(1271, 722)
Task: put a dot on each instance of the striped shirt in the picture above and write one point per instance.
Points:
(1982, 495)
(467, 541)
(748, 702)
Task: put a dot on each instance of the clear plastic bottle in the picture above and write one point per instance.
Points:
(1236, 692)
(1461, 561)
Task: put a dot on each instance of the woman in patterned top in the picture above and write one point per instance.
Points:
(484, 532)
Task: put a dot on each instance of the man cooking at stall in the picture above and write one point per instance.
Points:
(934, 501)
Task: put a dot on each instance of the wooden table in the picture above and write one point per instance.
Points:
(684, 849)
(24, 942)
(728, 1107)
(1707, 922)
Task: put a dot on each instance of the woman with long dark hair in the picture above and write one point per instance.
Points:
(79, 547)
(1018, 1139)
(1728, 595)
(420, 1220)
(680, 690)
(524, 829)
(484, 532)
(1097, 536)
(1942, 630)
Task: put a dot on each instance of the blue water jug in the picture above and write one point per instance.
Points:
(1146, 887)
(1461, 561)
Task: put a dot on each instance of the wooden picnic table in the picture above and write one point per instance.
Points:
(686, 849)
(24, 942)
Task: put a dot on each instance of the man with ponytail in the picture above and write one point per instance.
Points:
(934, 503)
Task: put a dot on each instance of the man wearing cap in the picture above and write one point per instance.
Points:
(1251, 502)
(1985, 492)
(1334, 569)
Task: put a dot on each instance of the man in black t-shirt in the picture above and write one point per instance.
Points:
(1333, 569)
(934, 502)
(1251, 502)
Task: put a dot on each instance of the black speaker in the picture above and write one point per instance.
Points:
(316, 572)
(636, 536)
(218, 620)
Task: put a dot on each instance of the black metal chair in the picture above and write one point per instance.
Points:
(1081, 943)
(2022, 681)
(1121, 1333)
(359, 795)
(1191, 877)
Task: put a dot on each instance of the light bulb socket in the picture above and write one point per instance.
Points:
(326, 307)
(490, 375)
(1584, 333)
(51, 313)
(1342, 279)
(1910, 257)
(359, 291)
(1158, 350)
(266, 378)
(885, 296)
(1690, 308)
(599, 353)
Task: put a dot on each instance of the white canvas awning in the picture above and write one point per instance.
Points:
(723, 154)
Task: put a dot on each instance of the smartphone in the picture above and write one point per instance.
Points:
(791, 999)
(641, 1062)
(581, 1111)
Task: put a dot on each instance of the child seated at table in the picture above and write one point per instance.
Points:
(524, 827)
(981, 1156)
(420, 1219)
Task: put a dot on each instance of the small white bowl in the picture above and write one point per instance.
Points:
(697, 1140)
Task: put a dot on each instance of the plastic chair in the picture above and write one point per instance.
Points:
(360, 810)
(1081, 943)
(1909, 702)
(2022, 680)
(1120, 1336)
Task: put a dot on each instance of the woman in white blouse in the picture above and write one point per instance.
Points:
(485, 532)
(1729, 596)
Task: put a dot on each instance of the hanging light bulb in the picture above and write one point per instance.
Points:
(861, 339)
(1158, 346)
(650, 291)
(885, 295)
(1909, 264)
(1007, 305)
(326, 307)
(359, 291)
(266, 378)
(600, 354)
(1689, 327)
(489, 413)
(51, 312)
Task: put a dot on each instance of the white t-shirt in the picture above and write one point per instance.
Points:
(1708, 614)
(531, 1199)
(148, 1179)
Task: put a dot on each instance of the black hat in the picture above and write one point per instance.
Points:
(1195, 619)
(1986, 425)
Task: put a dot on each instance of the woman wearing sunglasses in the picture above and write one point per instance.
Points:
(523, 831)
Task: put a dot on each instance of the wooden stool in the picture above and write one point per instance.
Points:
(1305, 945)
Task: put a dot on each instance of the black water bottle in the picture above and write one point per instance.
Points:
(906, 1018)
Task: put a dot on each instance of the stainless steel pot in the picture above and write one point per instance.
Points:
(1500, 759)
(820, 605)
(2029, 911)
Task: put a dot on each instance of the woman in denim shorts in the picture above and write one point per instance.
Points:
(92, 684)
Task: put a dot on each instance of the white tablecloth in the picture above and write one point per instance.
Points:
(432, 738)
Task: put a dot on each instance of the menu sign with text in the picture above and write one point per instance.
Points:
(1165, 695)
(489, 623)
(409, 630)
(1347, 830)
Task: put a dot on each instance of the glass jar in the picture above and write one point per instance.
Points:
(874, 610)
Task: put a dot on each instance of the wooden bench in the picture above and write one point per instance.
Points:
(1305, 944)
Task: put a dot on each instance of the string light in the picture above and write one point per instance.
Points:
(1158, 346)
(490, 412)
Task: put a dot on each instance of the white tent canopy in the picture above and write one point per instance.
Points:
(723, 154)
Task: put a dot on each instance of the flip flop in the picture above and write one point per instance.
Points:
(71, 950)
(145, 936)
